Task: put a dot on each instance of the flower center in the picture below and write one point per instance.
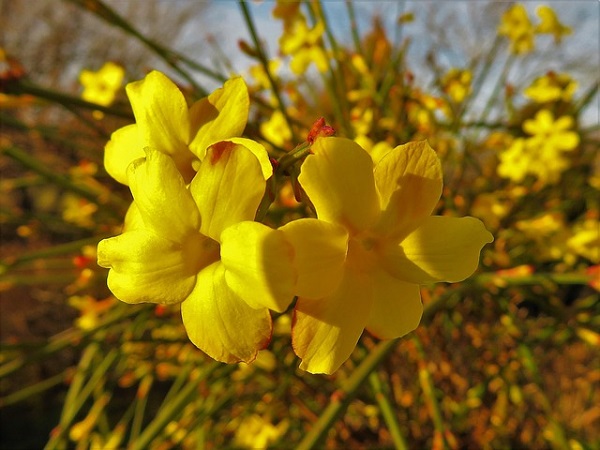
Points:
(362, 252)
(200, 251)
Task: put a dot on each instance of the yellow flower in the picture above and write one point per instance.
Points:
(276, 129)
(551, 135)
(585, 240)
(164, 122)
(515, 25)
(550, 23)
(302, 44)
(551, 87)
(457, 84)
(101, 87)
(542, 154)
(198, 245)
(360, 263)
(256, 432)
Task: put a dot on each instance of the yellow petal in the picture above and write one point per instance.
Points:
(220, 323)
(123, 148)
(258, 263)
(160, 111)
(146, 268)
(319, 253)
(338, 179)
(397, 307)
(409, 184)
(159, 191)
(221, 115)
(228, 187)
(259, 151)
(325, 331)
(441, 249)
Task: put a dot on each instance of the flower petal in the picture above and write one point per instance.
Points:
(338, 179)
(159, 191)
(220, 323)
(397, 307)
(123, 148)
(228, 187)
(162, 118)
(160, 111)
(441, 249)
(221, 115)
(258, 263)
(146, 268)
(325, 331)
(319, 254)
(409, 184)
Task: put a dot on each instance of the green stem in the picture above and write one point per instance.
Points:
(78, 400)
(262, 57)
(387, 411)
(72, 337)
(336, 83)
(57, 250)
(429, 391)
(172, 409)
(534, 279)
(353, 26)
(64, 181)
(22, 87)
(350, 388)
(35, 389)
(169, 56)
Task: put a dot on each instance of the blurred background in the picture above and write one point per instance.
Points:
(508, 97)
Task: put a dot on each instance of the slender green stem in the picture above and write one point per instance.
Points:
(262, 57)
(34, 389)
(557, 436)
(354, 26)
(429, 391)
(79, 399)
(336, 83)
(169, 56)
(348, 391)
(57, 250)
(70, 338)
(576, 278)
(64, 181)
(172, 409)
(387, 411)
(22, 87)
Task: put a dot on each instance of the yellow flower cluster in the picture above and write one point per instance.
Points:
(298, 40)
(542, 153)
(516, 25)
(190, 235)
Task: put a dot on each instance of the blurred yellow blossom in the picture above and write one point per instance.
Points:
(374, 242)
(515, 25)
(541, 154)
(259, 74)
(91, 309)
(255, 432)
(550, 24)
(551, 136)
(276, 129)
(303, 45)
(102, 86)
(551, 87)
(585, 240)
(78, 210)
(457, 84)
